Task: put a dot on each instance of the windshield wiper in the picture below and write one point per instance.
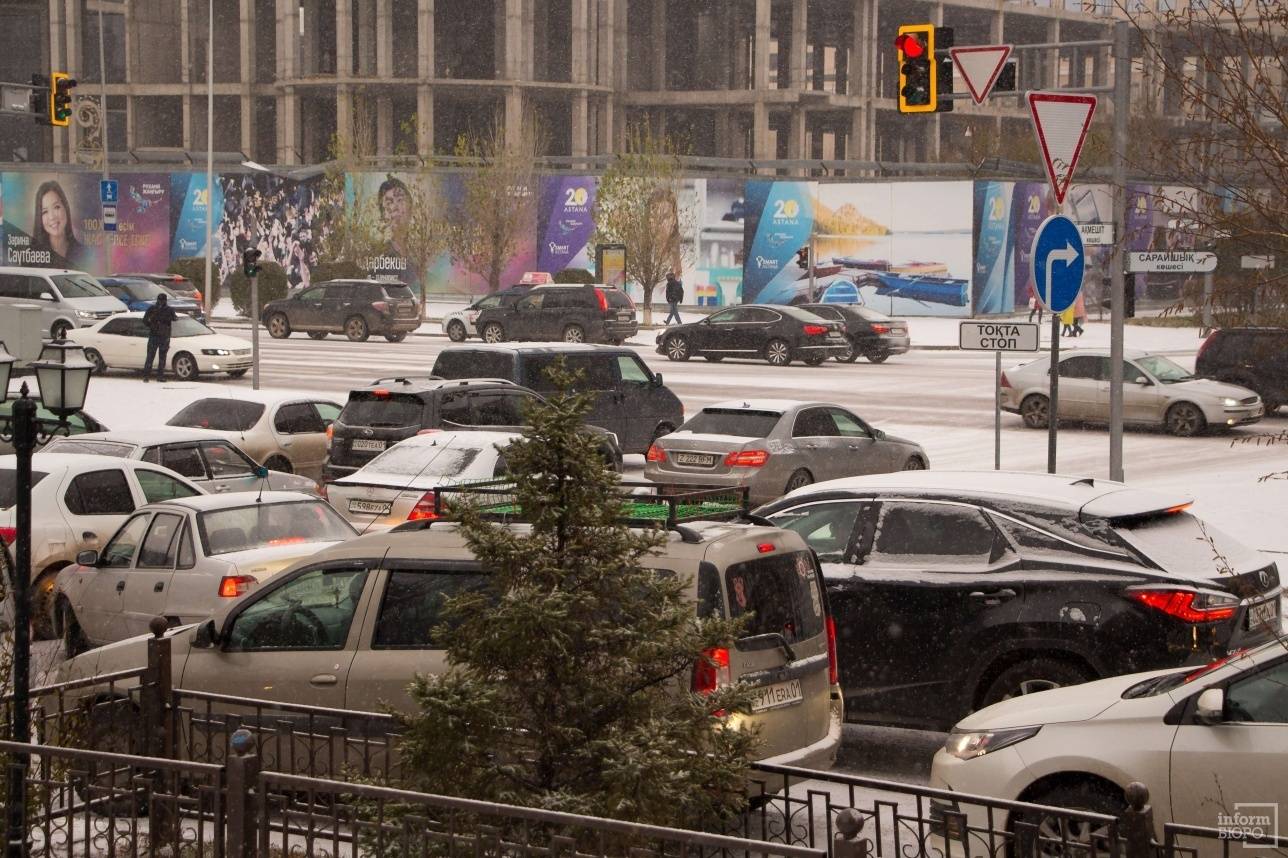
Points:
(776, 638)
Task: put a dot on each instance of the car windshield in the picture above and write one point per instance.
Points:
(9, 487)
(186, 326)
(266, 525)
(777, 594)
(1166, 371)
(733, 421)
(79, 286)
(90, 447)
(421, 460)
(1187, 546)
(224, 415)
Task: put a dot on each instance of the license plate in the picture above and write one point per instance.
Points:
(368, 444)
(373, 507)
(626, 317)
(1264, 614)
(699, 459)
(774, 696)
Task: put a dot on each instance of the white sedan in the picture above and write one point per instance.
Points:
(121, 342)
(1210, 744)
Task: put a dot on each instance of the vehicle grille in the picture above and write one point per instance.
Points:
(1250, 400)
(241, 351)
(103, 314)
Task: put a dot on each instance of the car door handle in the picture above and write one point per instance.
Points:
(993, 597)
(158, 587)
(89, 534)
(324, 679)
(286, 443)
(120, 586)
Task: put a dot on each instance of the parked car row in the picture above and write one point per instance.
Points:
(74, 299)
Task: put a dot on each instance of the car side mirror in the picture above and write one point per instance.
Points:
(261, 471)
(88, 557)
(1210, 708)
(1144, 382)
(207, 635)
(47, 296)
(657, 379)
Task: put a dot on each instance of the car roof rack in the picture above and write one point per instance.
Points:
(645, 504)
(407, 379)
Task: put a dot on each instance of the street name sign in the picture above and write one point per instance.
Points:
(1259, 261)
(1057, 263)
(109, 217)
(1171, 261)
(1097, 234)
(998, 337)
(981, 66)
(1060, 121)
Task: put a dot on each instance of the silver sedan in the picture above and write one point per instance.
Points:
(773, 446)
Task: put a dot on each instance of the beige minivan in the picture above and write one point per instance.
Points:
(349, 627)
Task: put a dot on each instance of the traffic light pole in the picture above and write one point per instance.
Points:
(1122, 103)
(254, 331)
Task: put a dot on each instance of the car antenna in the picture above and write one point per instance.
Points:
(262, 473)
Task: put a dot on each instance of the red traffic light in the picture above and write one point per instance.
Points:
(910, 46)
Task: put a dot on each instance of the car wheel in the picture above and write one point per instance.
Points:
(1035, 410)
(456, 331)
(574, 334)
(1185, 420)
(317, 335)
(493, 333)
(1061, 836)
(279, 327)
(58, 331)
(100, 365)
(396, 338)
(662, 429)
(185, 367)
(1031, 676)
(778, 353)
(236, 373)
(878, 356)
(714, 358)
(74, 642)
(42, 605)
(814, 360)
(851, 353)
(676, 347)
(914, 463)
(356, 329)
(799, 479)
(279, 463)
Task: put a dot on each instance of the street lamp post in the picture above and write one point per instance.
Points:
(62, 373)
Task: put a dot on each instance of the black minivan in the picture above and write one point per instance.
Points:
(631, 400)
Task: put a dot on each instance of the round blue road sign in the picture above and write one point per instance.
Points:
(1057, 263)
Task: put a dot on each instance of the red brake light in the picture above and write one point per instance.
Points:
(380, 306)
(1180, 604)
(655, 454)
(880, 329)
(232, 586)
(747, 459)
(711, 672)
(603, 300)
(380, 393)
(1005, 382)
(9, 535)
(424, 509)
(814, 330)
(833, 674)
(765, 547)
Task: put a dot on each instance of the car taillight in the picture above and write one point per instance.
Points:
(330, 433)
(424, 509)
(9, 535)
(1005, 382)
(1207, 341)
(814, 330)
(1189, 606)
(603, 300)
(747, 459)
(199, 297)
(711, 671)
(655, 454)
(880, 329)
(381, 307)
(232, 586)
(322, 492)
(833, 674)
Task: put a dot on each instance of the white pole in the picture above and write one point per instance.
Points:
(210, 161)
(107, 174)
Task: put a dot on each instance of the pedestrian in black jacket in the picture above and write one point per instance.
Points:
(159, 317)
(674, 295)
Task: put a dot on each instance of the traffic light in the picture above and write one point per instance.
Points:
(250, 262)
(802, 257)
(943, 69)
(61, 85)
(918, 84)
(40, 98)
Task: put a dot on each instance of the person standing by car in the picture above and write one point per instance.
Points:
(159, 317)
(674, 295)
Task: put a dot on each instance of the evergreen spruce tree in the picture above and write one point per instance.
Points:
(568, 685)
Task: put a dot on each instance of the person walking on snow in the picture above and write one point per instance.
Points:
(1035, 306)
(159, 317)
(674, 295)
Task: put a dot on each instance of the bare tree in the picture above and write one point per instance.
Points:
(639, 204)
(352, 229)
(498, 208)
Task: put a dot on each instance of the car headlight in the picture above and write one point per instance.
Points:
(1229, 403)
(969, 744)
(218, 352)
(86, 314)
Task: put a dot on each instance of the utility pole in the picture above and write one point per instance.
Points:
(1122, 106)
(107, 172)
(208, 292)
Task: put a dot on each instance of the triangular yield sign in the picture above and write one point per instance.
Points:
(980, 66)
(1061, 120)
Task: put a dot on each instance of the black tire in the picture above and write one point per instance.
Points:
(914, 463)
(355, 328)
(778, 352)
(878, 356)
(74, 642)
(318, 335)
(396, 338)
(714, 358)
(799, 479)
(660, 430)
(851, 354)
(676, 348)
(1035, 410)
(1055, 841)
(1185, 420)
(237, 373)
(574, 334)
(42, 606)
(93, 356)
(279, 463)
(279, 327)
(814, 360)
(456, 331)
(1031, 676)
(185, 367)
(493, 333)
(58, 330)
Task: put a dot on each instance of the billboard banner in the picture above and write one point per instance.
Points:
(276, 215)
(564, 222)
(189, 205)
(778, 219)
(715, 279)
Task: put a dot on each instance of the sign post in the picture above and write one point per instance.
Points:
(1058, 263)
(997, 337)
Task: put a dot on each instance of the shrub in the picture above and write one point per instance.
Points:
(340, 269)
(194, 269)
(273, 285)
(575, 275)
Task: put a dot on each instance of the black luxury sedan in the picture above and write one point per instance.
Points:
(872, 335)
(955, 590)
(776, 333)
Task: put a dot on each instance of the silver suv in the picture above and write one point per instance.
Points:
(67, 299)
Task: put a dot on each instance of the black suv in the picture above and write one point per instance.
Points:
(573, 313)
(1255, 358)
(356, 308)
(630, 400)
(872, 335)
(391, 409)
(952, 591)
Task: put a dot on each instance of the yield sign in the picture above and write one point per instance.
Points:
(980, 66)
(1061, 121)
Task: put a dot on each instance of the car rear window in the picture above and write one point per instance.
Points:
(367, 409)
(266, 525)
(777, 593)
(1184, 545)
(423, 461)
(618, 299)
(733, 421)
(398, 292)
(9, 486)
(474, 364)
(224, 415)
